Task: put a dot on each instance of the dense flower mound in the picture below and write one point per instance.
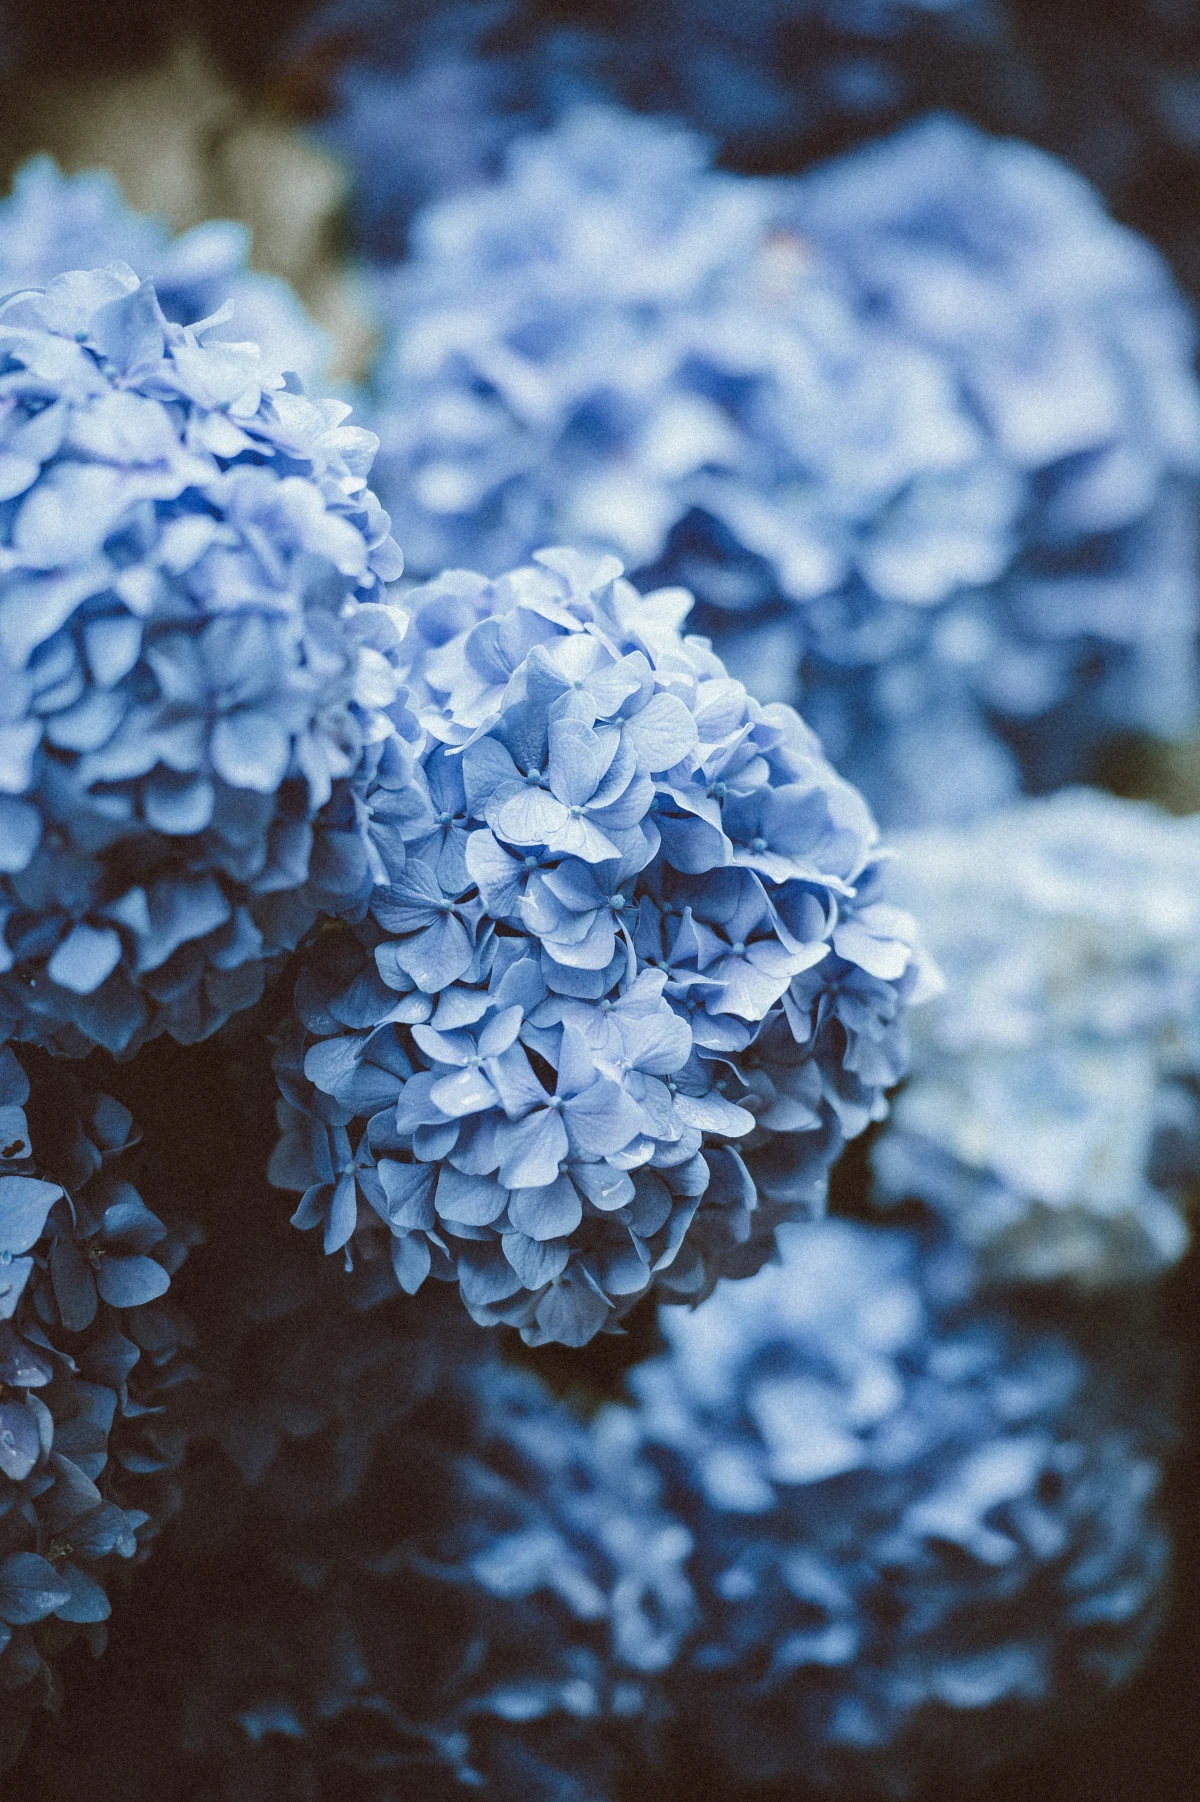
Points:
(914, 1528)
(920, 430)
(1051, 1115)
(423, 99)
(87, 1360)
(53, 223)
(409, 1572)
(193, 664)
(627, 989)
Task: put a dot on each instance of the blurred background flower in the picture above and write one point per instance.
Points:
(1050, 1116)
(920, 431)
(919, 1529)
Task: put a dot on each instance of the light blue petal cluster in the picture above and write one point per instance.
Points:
(915, 1525)
(87, 1360)
(194, 664)
(920, 430)
(52, 223)
(1051, 1115)
(628, 988)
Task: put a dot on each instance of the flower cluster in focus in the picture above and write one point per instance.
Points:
(193, 664)
(628, 987)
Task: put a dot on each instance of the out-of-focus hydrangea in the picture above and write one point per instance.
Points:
(915, 1528)
(920, 430)
(421, 100)
(87, 1361)
(409, 1571)
(1051, 1115)
(628, 988)
(53, 223)
(1116, 90)
(193, 664)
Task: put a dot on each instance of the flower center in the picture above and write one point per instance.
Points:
(758, 844)
(739, 950)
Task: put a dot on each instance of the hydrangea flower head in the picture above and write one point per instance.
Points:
(86, 1360)
(52, 223)
(1051, 1115)
(915, 1525)
(920, 430)
(627, 989)
(193, 663)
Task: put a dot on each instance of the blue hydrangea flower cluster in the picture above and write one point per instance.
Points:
(919, 429)
(1051, 1116)
(628, 988)
(194, 664)
(915, 1528)
(52, 223)
(424, 99)
(87, 1360)
(419, 1572)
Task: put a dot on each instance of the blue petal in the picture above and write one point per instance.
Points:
(19, 1442)
(550, 1212)
(25, 1201)
(130, 1282)
(30, 1589)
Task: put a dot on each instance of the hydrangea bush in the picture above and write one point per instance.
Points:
(407, 1569)
(88, 1359)
(53, 223)
(1051, 1116)
(628, 988)
(920, 430)
(195, 652)
(916, 1526)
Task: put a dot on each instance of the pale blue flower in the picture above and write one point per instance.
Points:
(629, 986)
(196, 660)
(1051, 1115)
(919, 428)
